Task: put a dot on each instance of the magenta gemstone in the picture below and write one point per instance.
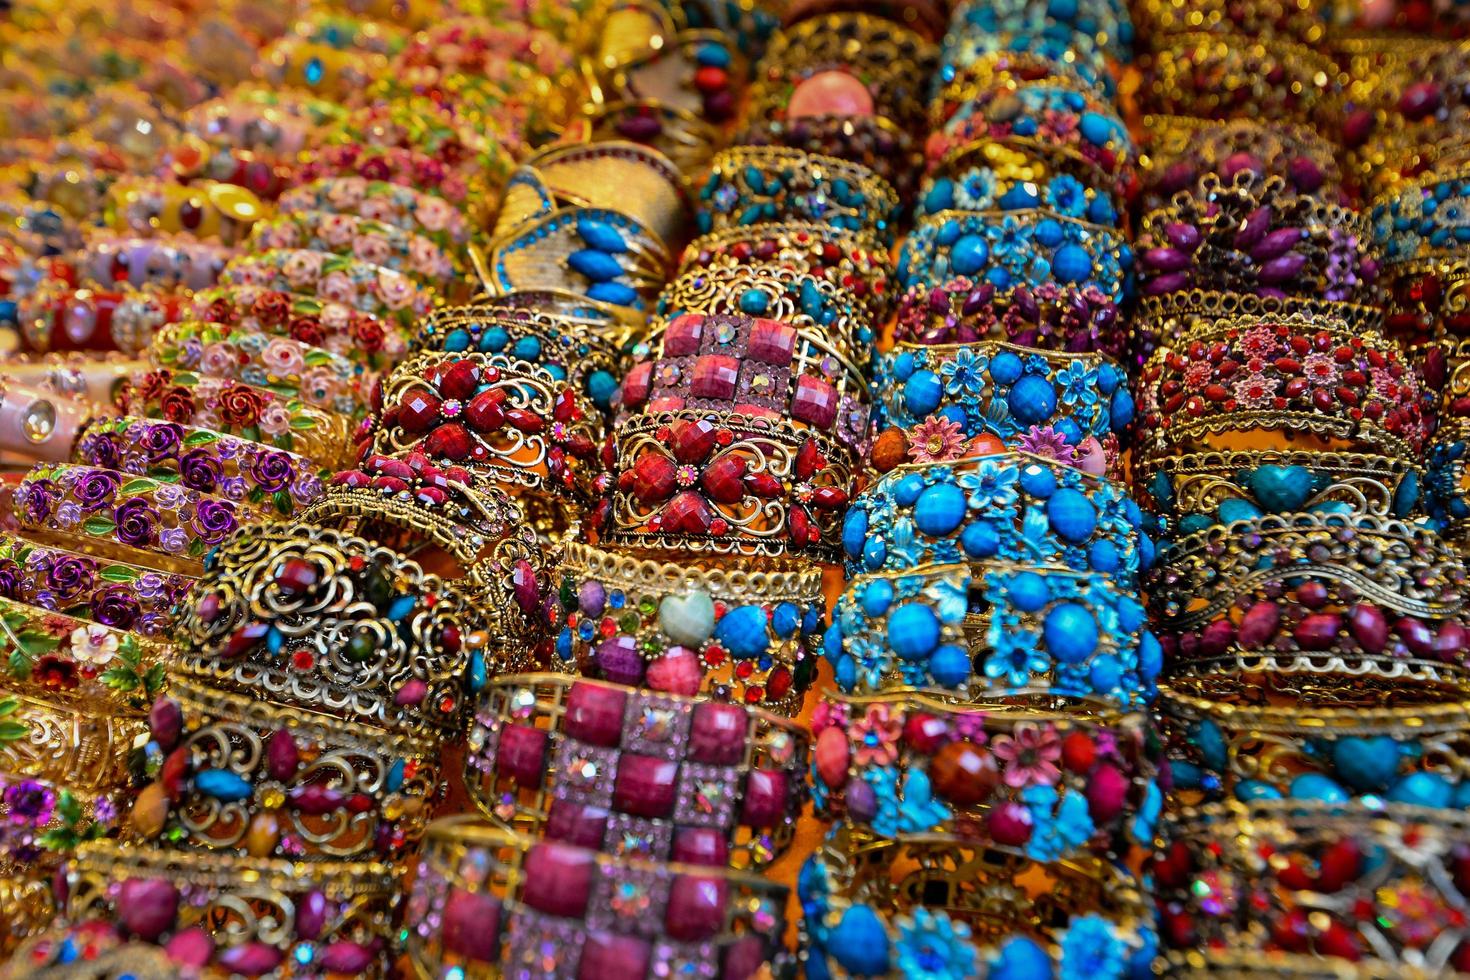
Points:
(576, 824)
(146, 907)
(311, 916)
(925, 733)
(472, 925)
(714, 376)
(772, 341)
(1369, 627)
(1217, 637)
(191, 947)
(412, 692)
(281, 755)
(559, 879)
(1318, 631)
(347, 957)
(251, 959)
(696, 908)
(700, 845)
(765, 798)
(316, 799)
(681, 338)
(521, 754)
(717, 735)
(618, 660)
(645, 786)
(1450, 642)
(166, 723)
(605, 956)
(1258, 625)
(594, 714)
(527, 590)
(744, 958)
(1416, 636)
(1009, 824)
(814, 403)
(1107, 791)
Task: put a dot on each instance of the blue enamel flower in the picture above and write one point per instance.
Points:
(1078, 384)
(1066, 194)
(991, 485)
(1090, 951)
(933, 947)
(975, 191)
(1058, 830)
(964, 373)
(1016, 658)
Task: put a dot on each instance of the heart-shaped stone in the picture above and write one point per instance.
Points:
(1281, 488)
(1368, 765)
(1234, 509)
(689, 619)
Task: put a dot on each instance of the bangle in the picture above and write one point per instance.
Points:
(740, 637)
(510, 426)
(1314, 889)
(925, 17)
(202, 460)
(164, 263)
(57, 317)
(641, 50)
(362, 238)
(418, 213)
(865, 915)
(338, 918)
(775, 291)
(761, 184)
(114, 594)
(1425, 304)
(1041, 631)
(297, 62)
(543, 907)
(276, 125)
(1067, 407)
(286, 367)
(1001, 176)
(652, 777)
(1390, 746)
(1172, 320)
(1016, 248)
(332, 623)
(1074, 777)
(961, 310)
(1014, 507)
(1103, 25)
(423, 126)
(754, 367)
(1182, 151)
(1286, 19)
(366, 339)
(680, 135)
(61, 740)
(974, 62)
(394, 165)
(232, 408)
(208, 210)
(1300, 374)
(366, 288)
(1219, 76)
(192, 160)
(52, 654)
(638, 184)
(251, 778)
(600, 253)
(727, 484)
(155, 522)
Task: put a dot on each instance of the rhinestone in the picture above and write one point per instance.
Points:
(39, 420)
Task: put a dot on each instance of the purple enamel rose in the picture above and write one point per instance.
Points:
(96, 488)
(115, 606)
(161, 440)
(11, 577)
(213, 520)
(101, 449)
(136, 521)
(31, 803)
(272, 470)
(200, 470)
(70, 575)
(40, 498)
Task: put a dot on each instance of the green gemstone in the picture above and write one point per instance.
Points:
(377, 588)
(364, 644)
(629, 622)
(647, 606)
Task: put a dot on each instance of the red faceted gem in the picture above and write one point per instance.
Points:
(244, 638)
(484, 413)
(764, 485)
(526, 589)
(450, 441)
(564, 408)
(191, 214)
(809, 460)
(723, 480)
(297, 576)
(829, 498)
(653, 478)
(418, 411)
(524, 420)
(779, 683)
(692, 439)
(687, 513)
(801, 527)
(459, 380)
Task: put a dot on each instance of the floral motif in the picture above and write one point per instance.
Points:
(1030, 756)
(933, 947)
(877, 733)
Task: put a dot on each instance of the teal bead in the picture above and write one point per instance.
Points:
(860, 943)
(616, 293)
(877, 597)
(969, 255)
(854, 532)
(1407, 494)
(921, 393)
(913, 631)
(1423, 789)
(1280, 489)
(1072, 263)
(595, 265)
(1029, 592)
(1032, 400)
(1253, 789)
(479, 673)
(1070, 632)
(1368, 765)
(950, 665)
(743, 632)
(939, 509)
(1096, 128)
(1071, 515)
(221, 784)
(1315, 786)
(1208, 738)
(1235, 509)
(1186, 775)
(754, 301)
(600, 235)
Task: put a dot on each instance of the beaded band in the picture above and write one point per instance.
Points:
(372, 342)
(364, 239)
(1001, 176)
(148, 206)
(245, 777)
(873, 142)
(634, 775)
(56, 317)
(550, 908)
(392, 204)
(888, 908)
(600, 253)
(114, 594)
(974, 62)
(1050, 316)
(1014, 507)
(295, 62)
(177, 263)
(1054, 784)
(1105, 25)
(191, 160)
(241, 915)
(202, 460)
(992, 631)
(1183, 150)
(736, 636)
(1016, 248)
(231, 408)
(137, 518)
(334, 623)
(514, 427)
(747, 366)
(88, 662)
(367, 288)
(1217, 76)
(728, 484)
(390, 164)
(1171, 320)
(1289, 373)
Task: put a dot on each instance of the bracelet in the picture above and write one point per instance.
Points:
(1000, 176)
(642, 51)
(651, 777)
(415, 212)
(1315, 888)
(231, 408)
(510, 426)
(1014, 507)
(336, 919)
(925, 17)
(1067, 407)
(973, 62)
(368, 241)
(774, 292)
(375, 343)
(420, 125)
(1395, 746)
(1041, 631)
(1425, 303)
(739, 637)
(544, 907)
(52, 654)
(754, 367)
(1219, 76)
(366, 288)
(1182, 151)
(680, 135)
(1017, 248)
(60, 740)
(762, 184)
(1287, 19)
(875, 143)
(727, 484)
(490, 111)
(248, 778)
(54, 316)
(635, 183)
(115, 594)
(1172, 320)
(600, 253)
(176, 263)
(192, 160)
(961, 310)
(865, 912)
(297, 62)
(1054, 784)
(1300, 375)
(393, 165)
(268, 122)
(1105, 25)
(211, 210)
(155, 522)
(202, 460)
